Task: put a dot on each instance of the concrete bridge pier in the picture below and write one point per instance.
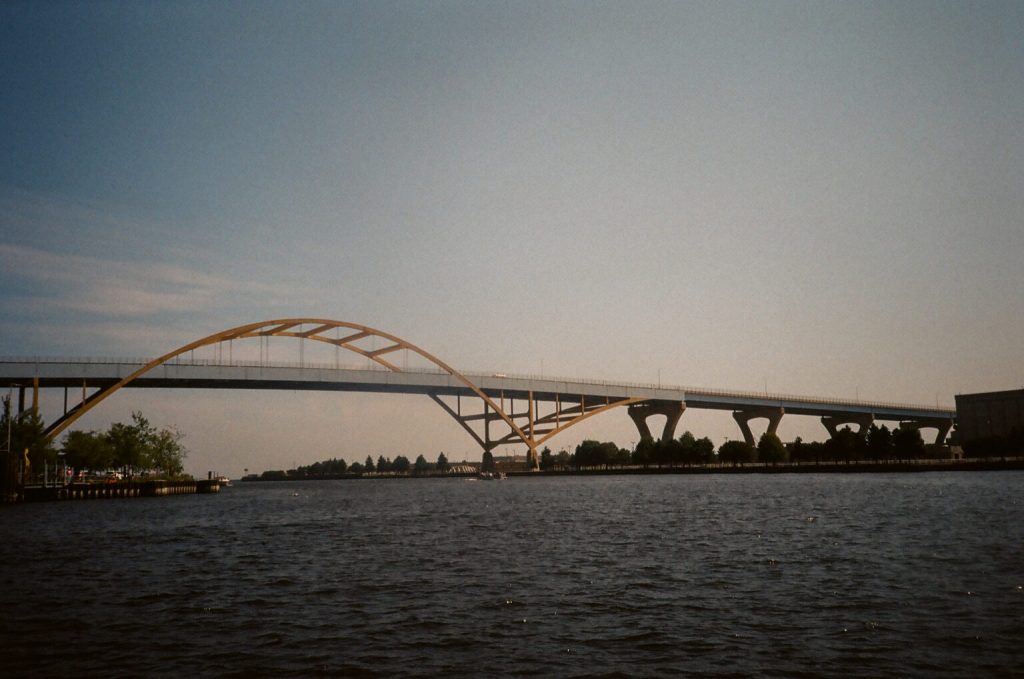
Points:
(743, 418)
(943, 427)
(672, 410)
(863, 420)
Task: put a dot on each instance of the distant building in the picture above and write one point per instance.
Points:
(511, 463)
(994, 413)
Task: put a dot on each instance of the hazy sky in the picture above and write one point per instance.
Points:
(817, 198)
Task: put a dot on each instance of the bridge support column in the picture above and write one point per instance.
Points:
(862, 420)
(943, 427)
(743, 417)
(672, 410)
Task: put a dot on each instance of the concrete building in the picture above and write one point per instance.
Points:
(989, 414)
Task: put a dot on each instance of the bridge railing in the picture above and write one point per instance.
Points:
(374, 367)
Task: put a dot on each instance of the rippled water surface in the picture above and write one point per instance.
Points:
(717, 576)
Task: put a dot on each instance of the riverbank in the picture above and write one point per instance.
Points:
(860, 467)
(893, 467)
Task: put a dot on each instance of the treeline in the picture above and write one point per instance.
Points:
(336, 467)
(131, 448)
(879, 444)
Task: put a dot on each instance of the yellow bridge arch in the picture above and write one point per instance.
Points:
(538, 429)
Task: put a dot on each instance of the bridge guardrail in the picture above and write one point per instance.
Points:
(373, 367)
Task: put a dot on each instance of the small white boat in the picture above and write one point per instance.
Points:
(223, 481)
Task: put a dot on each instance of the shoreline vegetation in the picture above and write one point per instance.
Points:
(855, 467)
(876, 450)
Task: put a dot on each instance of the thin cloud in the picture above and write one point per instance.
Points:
(118, 289)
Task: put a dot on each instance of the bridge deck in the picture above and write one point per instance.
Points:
(241, 375)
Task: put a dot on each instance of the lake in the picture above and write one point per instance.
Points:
(845, 575)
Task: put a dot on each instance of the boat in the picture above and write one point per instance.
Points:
(223, 481)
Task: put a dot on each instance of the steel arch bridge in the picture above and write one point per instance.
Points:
(498, 397)
(534, 432)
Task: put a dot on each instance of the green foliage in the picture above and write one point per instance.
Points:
(442, 463)
(333, 467)
(166, 452)
(401, 464)
(907, 443)
(134, 447)
(88, 450)
(667, 452)
(563, 459)
(547, 460)
(368, 465)
(644, 452)
(27, 435)
(770, 449)
(592, 453)
(421, 465)
(879, 442)
(356, 468)
(842, 447)
(735, 452)
(703, 450)
(131, 443)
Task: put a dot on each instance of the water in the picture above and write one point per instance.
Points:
(712, 576)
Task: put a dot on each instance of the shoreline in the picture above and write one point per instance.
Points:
(906, 467)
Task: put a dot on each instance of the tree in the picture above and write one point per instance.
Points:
(687, 448)
(87, 450)
(589, 453)
(420, 465)
(908, 443)
(401, 464)
(643, 454)
(547, 460)
(879, 442)
(608, 452)
(664, 452)
(167, 453)
(356, 468)
(383, 464)
(703, 450)
(563, 459)
(735, 452)
(27, 437)
(442, 463)
(368, 465)
(797, 450)
(770, 449)
(843, 446)
(132, 443)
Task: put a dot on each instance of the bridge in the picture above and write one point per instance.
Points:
(493, 408)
